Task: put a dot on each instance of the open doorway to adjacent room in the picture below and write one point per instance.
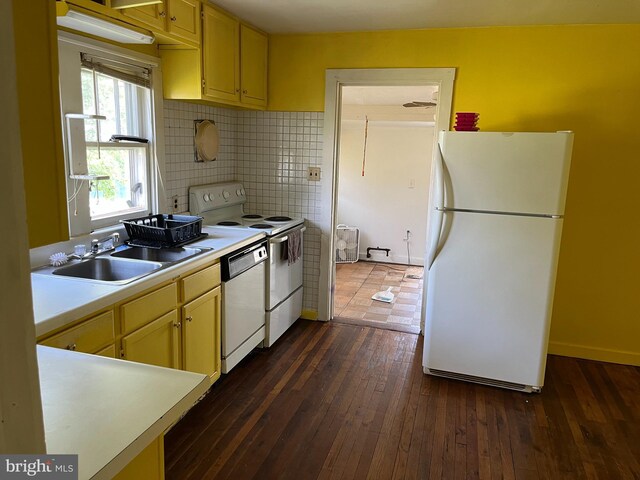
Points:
(381, 191)
(385, 142)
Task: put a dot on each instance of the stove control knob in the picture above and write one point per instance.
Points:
(239, 192)
(207, 197)
(242, 191)
(226, 194)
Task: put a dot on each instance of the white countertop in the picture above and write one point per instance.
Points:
(58, 301)
(106, 410)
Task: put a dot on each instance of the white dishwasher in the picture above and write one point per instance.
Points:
(243, 297)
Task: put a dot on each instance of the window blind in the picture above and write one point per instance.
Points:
(123, 71)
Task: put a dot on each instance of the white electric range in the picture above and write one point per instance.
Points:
(222, 205)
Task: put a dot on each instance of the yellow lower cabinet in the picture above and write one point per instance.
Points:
(89, 336)
(156, 343)
(109, 351)
(148, 465)
(201, 335)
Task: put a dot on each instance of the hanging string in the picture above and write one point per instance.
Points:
(96, 109)
(364, 153)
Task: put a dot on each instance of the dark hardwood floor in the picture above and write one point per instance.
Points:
(344, 401)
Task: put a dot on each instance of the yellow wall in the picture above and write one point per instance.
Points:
(40, 125)
(580, 78)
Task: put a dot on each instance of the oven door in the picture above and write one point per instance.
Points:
(283, 278)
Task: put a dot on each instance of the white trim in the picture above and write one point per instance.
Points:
(21, 418)
(111, 51)
(335, 80)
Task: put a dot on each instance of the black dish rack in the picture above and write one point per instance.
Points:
(163, 230)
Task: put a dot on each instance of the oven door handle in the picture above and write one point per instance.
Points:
(285, 238)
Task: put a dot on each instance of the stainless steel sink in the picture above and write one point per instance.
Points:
(162, 255)
(108, 269)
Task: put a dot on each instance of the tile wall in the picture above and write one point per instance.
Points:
(181, 169)
(269, 152)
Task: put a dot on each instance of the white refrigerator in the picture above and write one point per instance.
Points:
(496, 215)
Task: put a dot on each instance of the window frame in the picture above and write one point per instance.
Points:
(69, 48)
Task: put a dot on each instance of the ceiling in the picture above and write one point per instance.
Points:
(384, 103)
(387, 96)
(314, 16)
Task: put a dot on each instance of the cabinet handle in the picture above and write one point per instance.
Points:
(162, 14)
(177, 325)
(173, 19)
(237, 90)
(71, 346)
(188, 319)
(244, 92)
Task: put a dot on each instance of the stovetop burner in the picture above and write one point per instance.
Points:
(261, 225)
(252, 216)
(278, 218)
(228, 224)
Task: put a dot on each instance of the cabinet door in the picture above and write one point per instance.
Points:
(253, 66)
(109, 351)
(152, 15)
(184, 19)
(156, 343)
(201, 334)
(220, 56)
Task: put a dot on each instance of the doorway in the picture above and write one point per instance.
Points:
(383, 175)
(337, 84)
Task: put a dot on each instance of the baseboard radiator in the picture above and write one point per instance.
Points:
(483, 381)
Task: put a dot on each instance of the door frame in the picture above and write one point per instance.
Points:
(335, 79)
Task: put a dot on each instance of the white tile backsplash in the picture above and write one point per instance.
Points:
(269, 152)
(182, 171)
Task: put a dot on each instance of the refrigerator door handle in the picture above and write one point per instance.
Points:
(433, 247)
(439, 208)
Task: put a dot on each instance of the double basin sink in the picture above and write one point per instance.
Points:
(125, 264)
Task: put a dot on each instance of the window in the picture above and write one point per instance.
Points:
(125, 164)
(107, 104)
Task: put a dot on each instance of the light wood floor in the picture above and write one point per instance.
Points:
(344, 401)
(357, 282)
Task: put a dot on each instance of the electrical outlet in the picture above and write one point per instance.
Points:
(174, 203)
(314, 174)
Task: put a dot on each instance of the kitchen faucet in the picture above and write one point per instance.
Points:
(104, 244)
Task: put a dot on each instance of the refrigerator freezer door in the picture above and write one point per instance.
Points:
(489, 297)
(506, 172)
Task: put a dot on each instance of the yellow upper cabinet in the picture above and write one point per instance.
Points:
(253, 48)
(152, 15)
(173, 22)
(221, 58)
(230, 68)
(183, 19)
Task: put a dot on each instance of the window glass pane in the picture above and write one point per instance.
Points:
(117, 100)
(127, 185)
(88, 105)
(107, 97)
